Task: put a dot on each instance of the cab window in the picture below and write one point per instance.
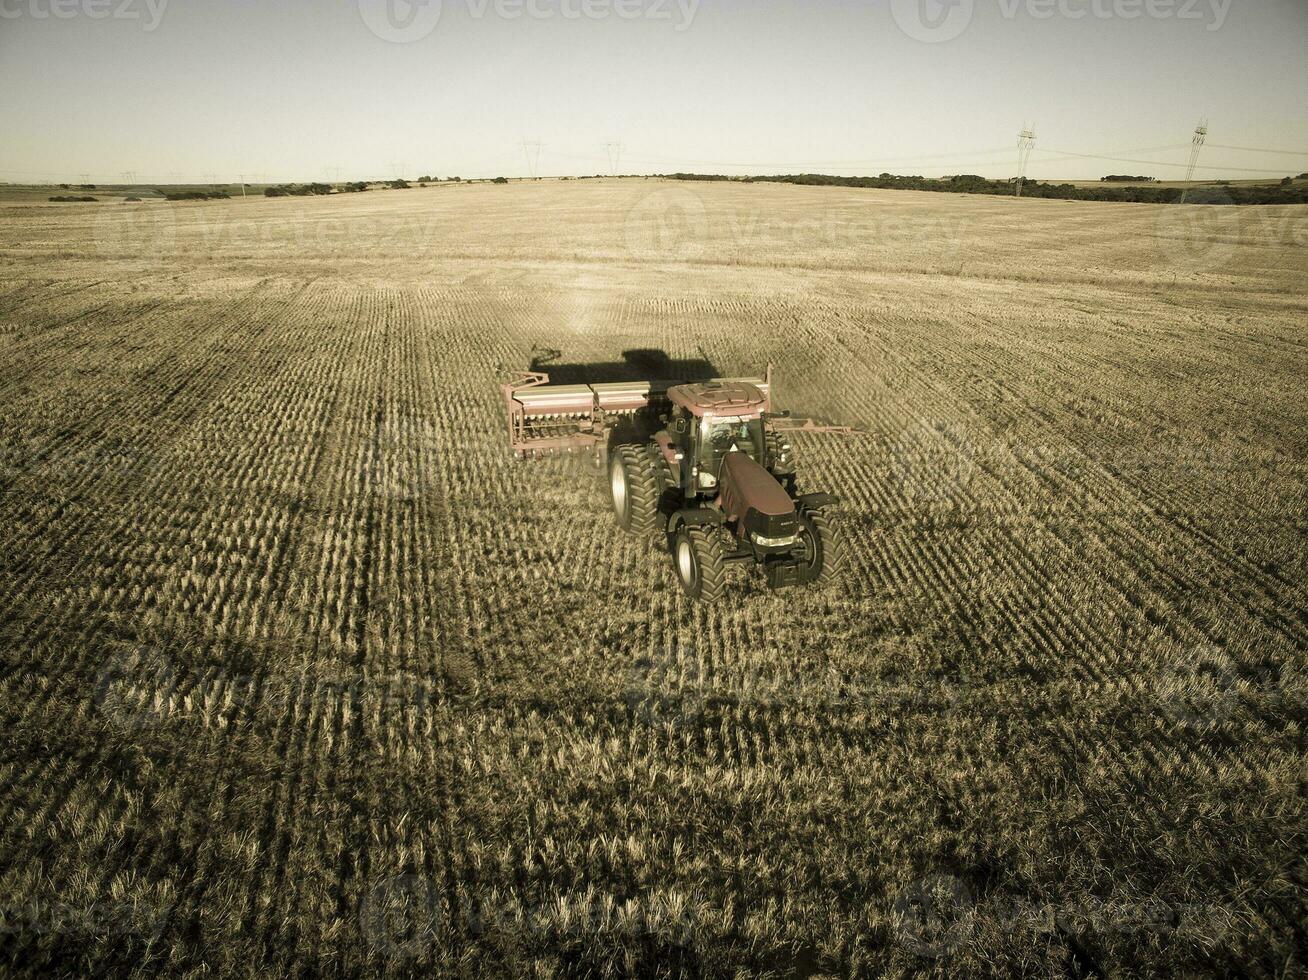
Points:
(721, 436)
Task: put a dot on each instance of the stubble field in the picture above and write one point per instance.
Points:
(304, 675)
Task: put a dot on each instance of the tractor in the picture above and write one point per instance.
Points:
(707, 465)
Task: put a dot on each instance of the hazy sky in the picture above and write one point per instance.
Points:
(285, 89)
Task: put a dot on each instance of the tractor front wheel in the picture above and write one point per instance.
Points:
(824, 547)
(697, 558)
(634, 489)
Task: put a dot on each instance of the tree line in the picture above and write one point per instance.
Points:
(1289, 191)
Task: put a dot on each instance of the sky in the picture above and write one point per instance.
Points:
(280, 90)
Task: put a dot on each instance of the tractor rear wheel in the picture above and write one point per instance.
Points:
(634, 488)
(824, 547)
(697, 558)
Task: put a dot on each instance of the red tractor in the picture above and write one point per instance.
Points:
(706, 464)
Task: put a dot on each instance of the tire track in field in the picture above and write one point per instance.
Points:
(144, 542)
(1038, 581)
(446, 376)
(1115, 489)
(174, 360)
(1063, 617)
(136, 410)
(334, 643)
(1110, 494)
(78, 331)
(314, 705)
(306, 699)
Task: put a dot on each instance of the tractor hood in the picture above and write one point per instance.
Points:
(752, 495)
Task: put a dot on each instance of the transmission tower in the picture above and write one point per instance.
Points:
(1025, 144)
(531, 149)
(1196, 144)
(615, 156)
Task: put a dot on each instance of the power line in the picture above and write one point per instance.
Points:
(868, 161)
(1062, 154)
(1259, 149)
(1047, 155)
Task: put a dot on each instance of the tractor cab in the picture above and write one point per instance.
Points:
(708, 422)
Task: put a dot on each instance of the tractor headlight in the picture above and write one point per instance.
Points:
(707, 479)
(764, 542)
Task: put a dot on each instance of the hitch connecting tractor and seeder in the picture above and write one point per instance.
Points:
(706, 464)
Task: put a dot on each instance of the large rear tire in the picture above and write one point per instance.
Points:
(824, 548)
(697, 560)
(634, 489)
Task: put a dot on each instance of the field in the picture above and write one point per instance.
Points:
(304, 675)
